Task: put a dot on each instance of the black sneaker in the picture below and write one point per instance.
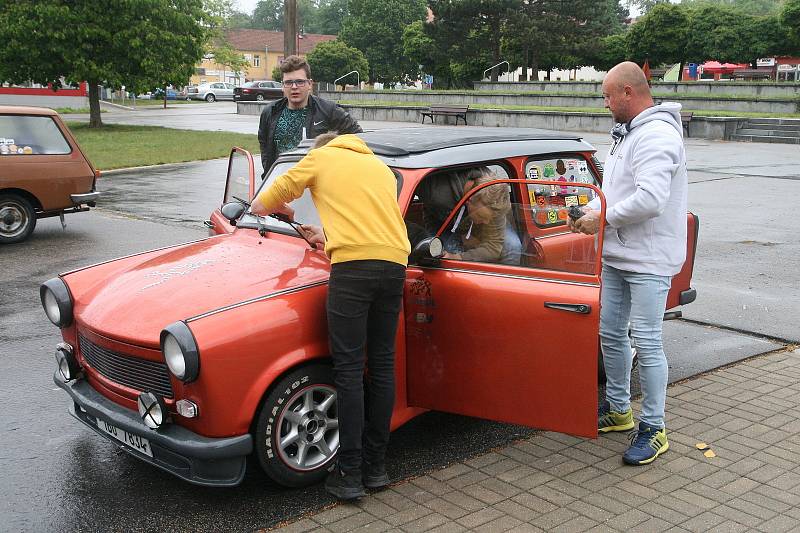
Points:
(345, 485)
(375, 476)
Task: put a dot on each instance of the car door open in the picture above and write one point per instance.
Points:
(240, 183)
(508, 340)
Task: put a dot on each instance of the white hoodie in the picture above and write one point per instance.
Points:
(645, 184)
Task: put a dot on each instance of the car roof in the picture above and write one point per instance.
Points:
(435, 146)
(25, 110)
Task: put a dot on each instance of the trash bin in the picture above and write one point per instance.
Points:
(693, 71)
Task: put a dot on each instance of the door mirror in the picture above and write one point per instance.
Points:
(241, 176)
(232, 211)
(427, 251)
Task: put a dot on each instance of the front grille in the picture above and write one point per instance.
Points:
(132, 372)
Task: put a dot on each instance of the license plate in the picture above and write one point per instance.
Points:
(140, 444)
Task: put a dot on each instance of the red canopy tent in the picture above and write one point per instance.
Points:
(717, 68)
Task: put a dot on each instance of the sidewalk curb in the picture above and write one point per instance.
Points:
(148, 167)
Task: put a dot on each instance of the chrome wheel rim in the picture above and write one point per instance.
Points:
(308, 428)
(13, 219)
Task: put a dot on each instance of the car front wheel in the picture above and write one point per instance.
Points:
(211, 98)
(260, 97)
(17, 218)
(297, 432)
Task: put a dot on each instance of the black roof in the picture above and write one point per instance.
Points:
(448, 145)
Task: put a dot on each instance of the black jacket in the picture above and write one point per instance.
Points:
(323, 116)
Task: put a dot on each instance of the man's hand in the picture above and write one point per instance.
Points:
(448, 255)
(314, 234)
(589, 223)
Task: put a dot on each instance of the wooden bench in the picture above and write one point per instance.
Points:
(686, 117)
(460, 112)
(751, 74)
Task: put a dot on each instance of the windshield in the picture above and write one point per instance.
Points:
(305, 212)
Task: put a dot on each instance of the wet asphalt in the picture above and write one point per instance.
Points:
(56, 474)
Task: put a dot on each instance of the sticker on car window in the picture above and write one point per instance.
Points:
(549, 170)
(534, 172)
(569, 201)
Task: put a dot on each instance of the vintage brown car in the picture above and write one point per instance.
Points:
(43, 171)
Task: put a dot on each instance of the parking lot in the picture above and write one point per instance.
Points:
(60, 475)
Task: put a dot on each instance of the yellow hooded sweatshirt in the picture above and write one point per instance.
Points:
(356, 197)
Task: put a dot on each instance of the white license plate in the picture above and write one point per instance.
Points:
(140, 444)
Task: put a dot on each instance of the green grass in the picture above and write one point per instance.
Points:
(656, 94)
(503, 107)
(117, 146)
(73, 110)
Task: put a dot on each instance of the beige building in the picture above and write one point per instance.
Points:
(262, 49)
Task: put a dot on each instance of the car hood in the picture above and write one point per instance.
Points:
(135, 301)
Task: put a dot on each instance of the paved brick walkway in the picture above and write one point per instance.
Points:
(749, 414)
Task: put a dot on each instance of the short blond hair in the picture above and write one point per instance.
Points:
(496, 197)
(324, 138)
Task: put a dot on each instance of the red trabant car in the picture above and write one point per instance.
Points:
(195, 356)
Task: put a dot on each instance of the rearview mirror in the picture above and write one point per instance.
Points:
(232, 211)
(427, 250)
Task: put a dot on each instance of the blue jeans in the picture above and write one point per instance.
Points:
(639, 300)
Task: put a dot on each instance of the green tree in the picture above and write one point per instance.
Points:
(751, 7)
(229, 59)
(611, 50)
(660, 36)
(140, 45)
(332, 59)
(376, 28)
(329, 17)
(268, 15)
(790, 19)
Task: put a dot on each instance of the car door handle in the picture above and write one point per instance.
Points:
(583, 309)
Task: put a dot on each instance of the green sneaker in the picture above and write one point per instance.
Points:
(608, 420)
(646, 444)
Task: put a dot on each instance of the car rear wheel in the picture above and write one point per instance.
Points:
(297, 432)
(17, 218)
(260, 97)
(211, 98)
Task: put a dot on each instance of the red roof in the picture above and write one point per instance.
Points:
(258, 40)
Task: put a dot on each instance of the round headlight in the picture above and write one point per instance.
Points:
(180, 351)
(174, 356)
(57, 302)
(152, 409)
(51, 307)
(68, 366)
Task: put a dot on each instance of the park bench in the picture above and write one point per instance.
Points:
(460, 112)
(686, 117)
(751, 74)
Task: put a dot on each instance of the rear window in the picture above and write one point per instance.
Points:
(31, 135)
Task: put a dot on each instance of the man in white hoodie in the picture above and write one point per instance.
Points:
(644, 245)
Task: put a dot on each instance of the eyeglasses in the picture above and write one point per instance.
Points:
(295, 83)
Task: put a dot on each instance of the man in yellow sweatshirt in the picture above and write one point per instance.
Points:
(365, 237)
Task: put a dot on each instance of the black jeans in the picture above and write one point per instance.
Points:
(364, 299)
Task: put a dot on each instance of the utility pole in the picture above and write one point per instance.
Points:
(290, 28)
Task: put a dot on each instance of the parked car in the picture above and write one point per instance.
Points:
(259, 90)
(158, 94)
(210, 92)
(195, 356)
(43, 171)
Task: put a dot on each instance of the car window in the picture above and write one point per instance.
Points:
(229, 86)
(216, 86)
(551, 202)
(30, 135)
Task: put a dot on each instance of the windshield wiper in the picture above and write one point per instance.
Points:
(262, 229)
(295, 226)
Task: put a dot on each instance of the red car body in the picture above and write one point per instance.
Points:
(510, 342)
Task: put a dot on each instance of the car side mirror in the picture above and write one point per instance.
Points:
(427, 251)
(232, 211)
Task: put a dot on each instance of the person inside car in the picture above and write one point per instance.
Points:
(298, 115)
(483, 230)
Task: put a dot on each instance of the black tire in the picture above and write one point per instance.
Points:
(304, 460)
(260, 97)
(210, 98)
(17, 218)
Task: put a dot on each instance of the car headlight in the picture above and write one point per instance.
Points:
(180, 351)
(152, 410)
(68, 366)
(57, 302)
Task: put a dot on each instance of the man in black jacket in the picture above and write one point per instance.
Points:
(298, 115)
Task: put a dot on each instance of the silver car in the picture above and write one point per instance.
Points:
(210, 92)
